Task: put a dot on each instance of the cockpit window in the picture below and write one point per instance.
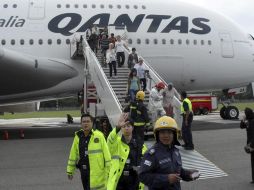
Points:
(251, 37)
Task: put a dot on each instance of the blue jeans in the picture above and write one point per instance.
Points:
(133, 94)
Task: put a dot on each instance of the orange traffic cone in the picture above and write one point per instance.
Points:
(21, 134)
(6, 135)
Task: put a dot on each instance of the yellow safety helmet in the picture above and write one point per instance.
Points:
(140, 95)
(166, 122)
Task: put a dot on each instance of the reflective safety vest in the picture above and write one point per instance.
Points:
(189, 104)
(99, 159)
(119, 154)
(138, 114)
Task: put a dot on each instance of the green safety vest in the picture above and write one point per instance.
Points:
(119, 154)
(99, 160)
(189, 104)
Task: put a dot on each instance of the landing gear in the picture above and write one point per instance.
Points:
(229, 112)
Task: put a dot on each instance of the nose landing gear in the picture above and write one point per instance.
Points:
(229, 112)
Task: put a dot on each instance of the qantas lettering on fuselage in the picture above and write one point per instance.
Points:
(65, 23)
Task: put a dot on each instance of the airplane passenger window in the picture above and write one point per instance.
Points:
(209, 42)
(138, 41)
(5, 5)
(76, 6)
(102, 6)
(163, 41)
(180, 41)
(40, 41)
(147, 41)
(129, 41)
(22, 42)
(67, 5)
(195, 42)
(110, 6)
(187, 42)
(31, 41)
(143, 7)
(58, 6)
(127, 6)
(93, 6)
(135, 6)
(49, 41)
(3, 42)
(14, 5)
(172, 41)
(119, 6)
(58, 41)
(12, 42)
(155, 41)
(85, 6)
(68, 41)
(202, 42)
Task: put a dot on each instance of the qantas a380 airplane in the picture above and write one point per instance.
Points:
(192, 47)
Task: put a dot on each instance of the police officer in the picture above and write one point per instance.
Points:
(90, 154)
(139, 115)
(161, 167)
(187, 113)
(126, 154)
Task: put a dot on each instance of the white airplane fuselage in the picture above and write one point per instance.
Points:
(192, 47)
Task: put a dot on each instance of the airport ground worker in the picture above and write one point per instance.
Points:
(126, 154)
(155, 102)
(161, 168)
(90, 154)
(187, 113)
(248, 124)
(168, 99)
(138, 115)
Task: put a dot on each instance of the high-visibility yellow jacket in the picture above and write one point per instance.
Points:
(119, 154)
(99, 159)
(189, 104)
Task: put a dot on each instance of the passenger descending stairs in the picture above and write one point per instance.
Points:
(119, 84)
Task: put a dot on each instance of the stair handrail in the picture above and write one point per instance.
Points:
(104, 90)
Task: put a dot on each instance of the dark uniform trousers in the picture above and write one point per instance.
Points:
(83, 164)
(159, 161)
(186, 131)
(129, 179)
(252, 165)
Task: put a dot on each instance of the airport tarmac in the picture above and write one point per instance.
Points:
(40, 163)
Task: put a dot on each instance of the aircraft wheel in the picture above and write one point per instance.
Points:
(205, 111)
(232, 112)
(223, 112)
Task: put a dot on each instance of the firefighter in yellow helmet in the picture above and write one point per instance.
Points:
(126, 153)
(138, 115)
(161, 167)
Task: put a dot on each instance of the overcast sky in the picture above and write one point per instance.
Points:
(241, 11)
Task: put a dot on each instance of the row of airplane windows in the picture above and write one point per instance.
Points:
(13, 6)
(130, 41)
(101, 6)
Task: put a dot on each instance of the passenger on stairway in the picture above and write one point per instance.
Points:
(93, 42)
(104, 43)
(133, 58)
(133, 84)
(111, 59)
(112, 39)
(141, 73)
(119, 46)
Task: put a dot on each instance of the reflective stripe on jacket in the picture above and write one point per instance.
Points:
(119, 151)
(99, 159)
(189, 104)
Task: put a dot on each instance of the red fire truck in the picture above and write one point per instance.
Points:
(203, 103)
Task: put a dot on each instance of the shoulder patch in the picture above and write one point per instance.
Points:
(152, 151)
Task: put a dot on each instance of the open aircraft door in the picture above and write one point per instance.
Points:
(36, 9)
(227, 49)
